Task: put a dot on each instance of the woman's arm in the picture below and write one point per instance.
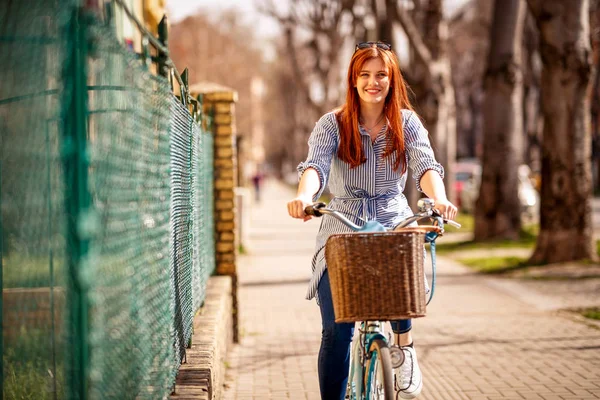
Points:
(428, 173)
(307, 187)
(314, 172)
(433, 186)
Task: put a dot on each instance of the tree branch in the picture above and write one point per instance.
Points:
(415, 38)
(324, 20)
(267, 7)
(535, 7)
(296, 70)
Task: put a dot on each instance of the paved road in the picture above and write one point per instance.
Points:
(482, 339)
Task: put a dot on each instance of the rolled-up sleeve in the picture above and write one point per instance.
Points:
(418, 149)
(322, 144)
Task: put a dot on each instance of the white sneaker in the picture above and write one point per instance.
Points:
(408, 380)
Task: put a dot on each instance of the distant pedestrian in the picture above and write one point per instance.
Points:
(257, 179)
(362, 150)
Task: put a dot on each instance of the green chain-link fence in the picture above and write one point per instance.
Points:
(106, 211)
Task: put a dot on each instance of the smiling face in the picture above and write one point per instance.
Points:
(373, 82)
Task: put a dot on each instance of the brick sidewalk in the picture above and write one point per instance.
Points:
(482, 338)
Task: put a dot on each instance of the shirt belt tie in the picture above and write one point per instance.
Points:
(367, 205)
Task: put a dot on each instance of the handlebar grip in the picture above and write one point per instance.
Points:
(313, 209)
(452, 223)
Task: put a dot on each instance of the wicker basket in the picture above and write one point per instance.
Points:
(377, 276)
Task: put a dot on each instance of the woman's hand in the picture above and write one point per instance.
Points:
(433, 187)
(445, 208)
(296, 207)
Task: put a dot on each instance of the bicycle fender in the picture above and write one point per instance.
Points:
(372, 337)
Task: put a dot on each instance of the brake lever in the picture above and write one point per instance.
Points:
(452, 223)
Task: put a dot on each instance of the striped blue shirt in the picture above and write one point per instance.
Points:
(371, 191)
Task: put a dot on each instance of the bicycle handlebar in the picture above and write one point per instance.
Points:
(314, 209)
(320, 209)
(452, 223)
(425, 207)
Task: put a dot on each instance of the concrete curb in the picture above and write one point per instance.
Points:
(201, 377)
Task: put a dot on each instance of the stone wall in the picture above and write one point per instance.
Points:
(202, 376)
(221, 101)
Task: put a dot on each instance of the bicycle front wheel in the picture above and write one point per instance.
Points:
(379, 383)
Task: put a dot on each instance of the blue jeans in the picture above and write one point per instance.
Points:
(334, 354)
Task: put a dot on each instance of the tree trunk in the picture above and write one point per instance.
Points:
(436, 100)
(532, 70)
(444, 124)
(439, 112)
(498, 210)
(566, 211)
(595, 99)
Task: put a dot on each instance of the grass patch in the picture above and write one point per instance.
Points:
(31, 272)
(591, 313)
(466, 220)
(446, 248)
(528, 237)
(493, 265)
(527, 241)
(468, 225)
(28, 368)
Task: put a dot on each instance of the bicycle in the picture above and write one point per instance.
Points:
(372, 355)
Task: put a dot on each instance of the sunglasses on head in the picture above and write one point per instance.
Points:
(366, 45)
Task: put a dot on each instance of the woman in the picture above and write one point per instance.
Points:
(361, 150)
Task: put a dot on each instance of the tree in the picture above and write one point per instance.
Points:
(283, 99)
(468, 44)
(314, 32)
(384, 27)
(436, 99)
(532, 116)
(205, 48)
(566, 211)
(595, 39)
(498, 210)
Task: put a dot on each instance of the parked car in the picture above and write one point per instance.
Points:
(464, 170)
(528, 195)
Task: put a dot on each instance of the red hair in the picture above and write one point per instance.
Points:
(350, 149)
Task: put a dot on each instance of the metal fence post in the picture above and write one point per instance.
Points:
(75, 160)
(163, 37)
(146, 57)
(1, 297)
(185, 89)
